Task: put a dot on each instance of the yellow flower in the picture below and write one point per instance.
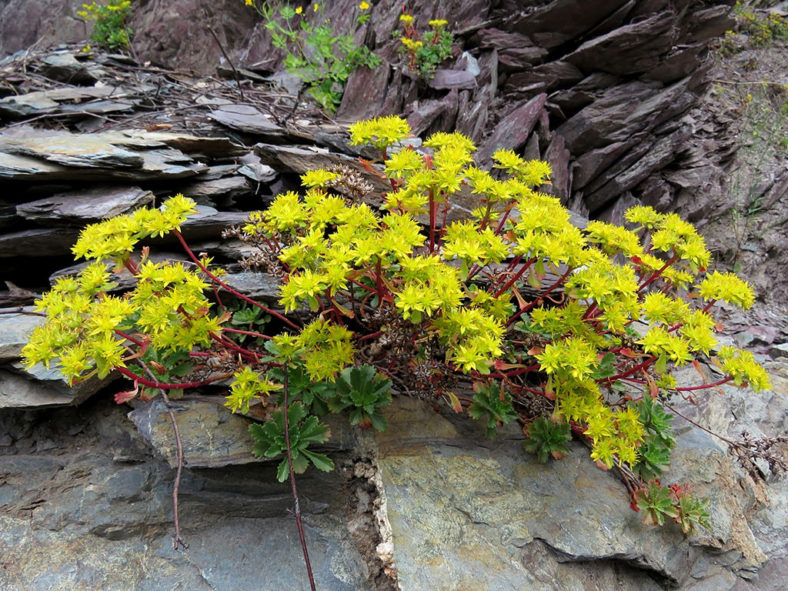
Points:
(316, 7)
(410, 44)
(406, 19)
(364, 6)
(248, 2)
(438, 23)
(299, 10)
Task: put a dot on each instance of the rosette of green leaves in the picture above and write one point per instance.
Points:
(492, 405)
(654, 453)
(548, 439)
(303, 430)
(656, 503)
(363, 391)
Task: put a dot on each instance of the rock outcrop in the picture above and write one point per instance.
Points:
(606, 90)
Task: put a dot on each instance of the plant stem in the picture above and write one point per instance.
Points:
(705, 386)
(530, 306)
(177, 540)
(656, 274)
(162, 386)
(218, 281)
(296, 505)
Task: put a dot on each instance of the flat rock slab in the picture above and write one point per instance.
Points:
(212, 436)
(85, 505)
(62, 99)
(85, 206)
(40, 387)
(299, 160)
(15, 330)
(247, 119)
(467, 509)
(28, 154)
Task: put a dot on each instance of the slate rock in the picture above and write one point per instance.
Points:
(64, 67)
(464, 509)
(262, 287)
(472, 113)
(81, 207)
(623, 111)
(100, 504)
(298, 160)
(15, 329)
(548, 76)
(38, 242)
(29, 154)
(433, 115)
(631, 49)
(625, 176)
(561, 179)
(447, 79)
(224, 188)
(780, 350)
(211, 435)
(247, 119)
(553, 23)
(39, 387)
(41, 102)
(365, 92)
(513, 130)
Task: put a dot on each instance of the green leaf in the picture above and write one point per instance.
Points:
(320, 461)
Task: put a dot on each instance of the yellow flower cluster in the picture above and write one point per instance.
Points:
(86, 327)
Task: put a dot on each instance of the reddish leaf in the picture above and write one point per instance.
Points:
(456, 406)
(121, 397)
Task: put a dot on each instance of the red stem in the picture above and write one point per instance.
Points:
(215, 279)
(152, 384)
(530, 306)
(656, 275)
(251, 333)
(296, 505)
(705, 386)
(516, 276)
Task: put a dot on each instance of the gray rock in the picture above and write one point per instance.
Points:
(445, 79)
(50, 101)
(631, 49)
(553, 23)
(433, 115)
(247, 119)
(39, 387)
(224, 188)
(85, 206)
(513, 130)
(300, 159)
(259, 286)
(780, 350)
(38, 242)
(450, 498)
(626, 175)
(365, 91)
(212, 436)
(548, 76)
(64, 67)
(42, 155)
(15, 329)
(105, 515)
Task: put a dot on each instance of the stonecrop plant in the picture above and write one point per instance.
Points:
(508, 312)
(424, 51)
(109, 22)
(319, 55)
